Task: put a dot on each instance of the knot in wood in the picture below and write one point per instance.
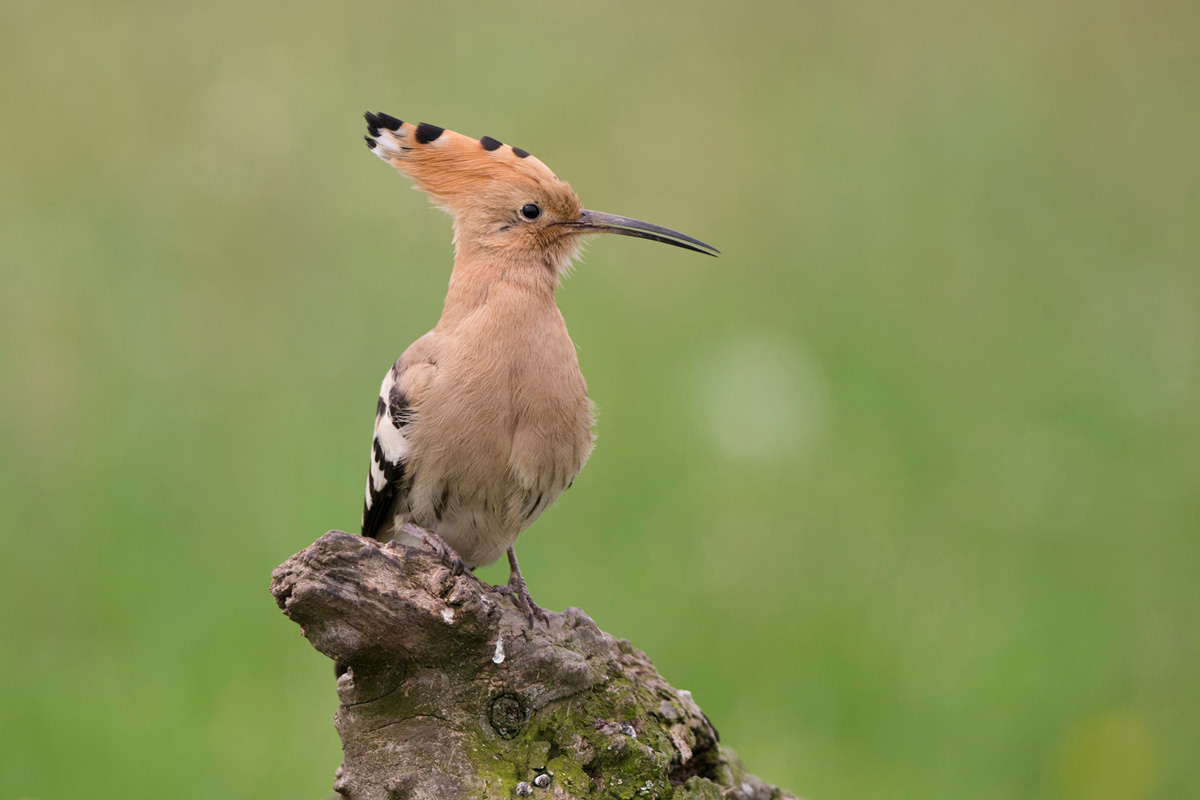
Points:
(507, 714)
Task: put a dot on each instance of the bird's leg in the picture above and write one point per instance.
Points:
(444, 551)
(517, 588)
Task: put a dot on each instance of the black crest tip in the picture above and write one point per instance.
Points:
(427, 133)
(519, 153)
(388, 121)
(490, 144)
(370, 142)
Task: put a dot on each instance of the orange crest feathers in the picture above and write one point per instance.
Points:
(455, 170)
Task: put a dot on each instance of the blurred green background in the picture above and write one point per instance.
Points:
(905, 487)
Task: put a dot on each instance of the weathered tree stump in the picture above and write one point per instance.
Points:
(445, 692)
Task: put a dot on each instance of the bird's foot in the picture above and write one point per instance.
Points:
(517, 589)
(445, 552)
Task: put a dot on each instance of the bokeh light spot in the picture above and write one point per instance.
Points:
(761, 398)
(1109, 757)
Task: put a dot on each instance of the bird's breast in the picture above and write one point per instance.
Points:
(507, 423)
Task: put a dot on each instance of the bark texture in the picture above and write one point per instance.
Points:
(445, 692)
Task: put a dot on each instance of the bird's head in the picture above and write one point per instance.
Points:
(502, 198)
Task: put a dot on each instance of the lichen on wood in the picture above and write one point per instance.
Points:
(445, 691)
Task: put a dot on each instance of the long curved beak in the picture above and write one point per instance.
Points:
(599, 222)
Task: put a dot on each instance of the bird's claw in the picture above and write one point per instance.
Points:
(444, 551)
(517, 589)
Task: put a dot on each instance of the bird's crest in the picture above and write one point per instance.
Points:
(455, 170)
(500, 196)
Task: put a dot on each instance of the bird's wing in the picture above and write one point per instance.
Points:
(388, 480)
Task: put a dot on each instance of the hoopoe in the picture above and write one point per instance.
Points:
(484, 421)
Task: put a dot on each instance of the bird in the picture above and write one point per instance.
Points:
(485, 420)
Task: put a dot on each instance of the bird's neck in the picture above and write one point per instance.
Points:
(486, 276)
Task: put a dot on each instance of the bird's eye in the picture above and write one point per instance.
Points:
(531, 211)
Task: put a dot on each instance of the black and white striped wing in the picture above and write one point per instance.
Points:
(388, 481)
